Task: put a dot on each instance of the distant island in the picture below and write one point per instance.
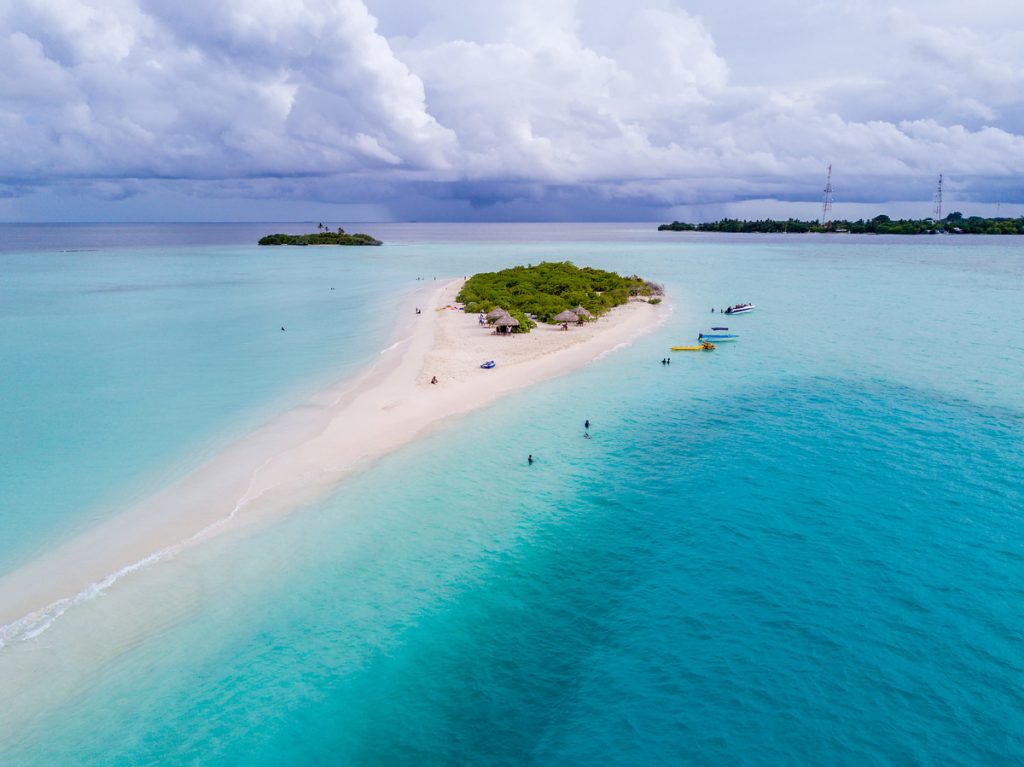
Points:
(542, 292)
(954, 223)
(323, 237)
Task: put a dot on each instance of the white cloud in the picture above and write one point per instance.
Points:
(171, 89)
(561, 99)
(646, 101)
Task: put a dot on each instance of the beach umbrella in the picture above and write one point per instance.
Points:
(566, 316)
(583, 313)
(495, 313)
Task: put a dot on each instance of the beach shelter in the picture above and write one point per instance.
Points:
(503, 315)
(566, 316)
(504, 324)
(496, 313)
(582, 313)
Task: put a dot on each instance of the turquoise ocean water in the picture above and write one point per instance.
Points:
(806, 547)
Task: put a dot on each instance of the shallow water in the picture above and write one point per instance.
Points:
(125, 367)
(802, 547)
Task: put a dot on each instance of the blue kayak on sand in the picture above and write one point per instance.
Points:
(488, 365)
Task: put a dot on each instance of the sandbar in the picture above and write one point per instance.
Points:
(299, 456)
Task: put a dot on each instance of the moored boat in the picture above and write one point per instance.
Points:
(718, 337)
(740, 309)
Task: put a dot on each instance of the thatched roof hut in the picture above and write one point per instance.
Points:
(505, 323)
(496, 312)
(566, 316)
(583, 313)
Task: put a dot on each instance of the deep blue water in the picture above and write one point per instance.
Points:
(803, 548)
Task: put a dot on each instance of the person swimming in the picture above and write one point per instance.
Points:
(529, 459)
(586, 424)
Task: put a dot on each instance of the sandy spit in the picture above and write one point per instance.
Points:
(301, 455)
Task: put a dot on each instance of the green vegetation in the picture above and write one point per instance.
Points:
(547, 289)
(954, 223)
(323, 237)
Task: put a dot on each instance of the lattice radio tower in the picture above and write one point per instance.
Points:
(938, 200)
(826, 208)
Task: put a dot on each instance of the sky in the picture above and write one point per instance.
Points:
(505, 110)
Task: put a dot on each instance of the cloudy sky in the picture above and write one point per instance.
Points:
(366, 110)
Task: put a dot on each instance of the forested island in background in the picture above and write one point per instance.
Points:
(322, 237)
(954, 223)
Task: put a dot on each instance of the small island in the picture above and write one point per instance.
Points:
(954, 223)
(322, 237)
(542, 292)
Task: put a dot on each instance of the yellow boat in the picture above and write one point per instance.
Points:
(704, 347)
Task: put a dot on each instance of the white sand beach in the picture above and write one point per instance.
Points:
(299, 456)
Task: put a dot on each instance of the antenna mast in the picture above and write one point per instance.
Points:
(826, 208)
(938, 200)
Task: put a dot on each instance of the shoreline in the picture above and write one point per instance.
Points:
(302, 454)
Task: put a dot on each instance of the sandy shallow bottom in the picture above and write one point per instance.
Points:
(300, 456)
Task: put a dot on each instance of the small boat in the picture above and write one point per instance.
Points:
(488, 365)
(718, 337)
(719, 328)
(740, 309)
(704, 347)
